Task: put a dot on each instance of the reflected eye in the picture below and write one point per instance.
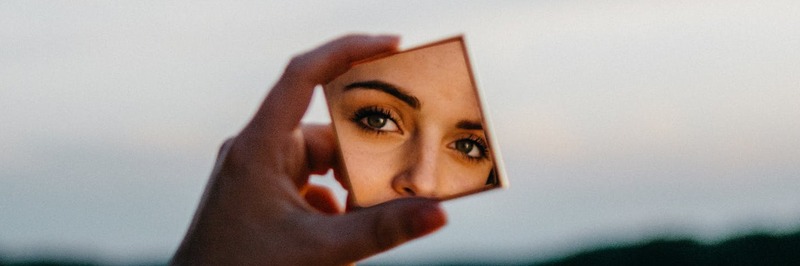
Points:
(379, 122)
(468, 147)
(375, 119)
(472, 147)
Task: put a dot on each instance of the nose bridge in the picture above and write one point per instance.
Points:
(421, 170)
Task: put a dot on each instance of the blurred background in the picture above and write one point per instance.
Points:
(619, 121)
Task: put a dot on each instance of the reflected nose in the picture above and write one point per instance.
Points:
(419, 174)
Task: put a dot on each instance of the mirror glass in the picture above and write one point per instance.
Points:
(409, 124)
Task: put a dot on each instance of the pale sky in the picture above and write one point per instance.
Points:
(618, 120)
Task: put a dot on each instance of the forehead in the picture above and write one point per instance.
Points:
(448, 56)
(437, 71)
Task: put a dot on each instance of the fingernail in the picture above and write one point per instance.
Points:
(427, 219)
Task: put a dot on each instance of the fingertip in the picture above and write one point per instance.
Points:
(375, 39)
(391, 39)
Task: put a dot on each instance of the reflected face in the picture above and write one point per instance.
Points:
(410, 125)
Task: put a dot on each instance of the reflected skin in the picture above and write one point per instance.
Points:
(410, 125)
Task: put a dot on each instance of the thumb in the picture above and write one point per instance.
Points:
(369, 231)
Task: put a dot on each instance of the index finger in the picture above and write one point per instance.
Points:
(287, 102)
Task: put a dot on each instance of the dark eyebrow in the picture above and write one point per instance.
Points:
(387, 88)
(469, 125)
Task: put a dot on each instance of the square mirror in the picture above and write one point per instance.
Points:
(412, 124)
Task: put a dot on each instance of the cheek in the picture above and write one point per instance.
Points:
(371, 167)
(465, 177)
(366, 170)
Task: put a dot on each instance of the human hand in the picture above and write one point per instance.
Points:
(258, 207)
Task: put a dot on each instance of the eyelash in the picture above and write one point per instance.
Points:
(370, 111)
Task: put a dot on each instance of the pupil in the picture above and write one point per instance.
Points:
(464, 146)
(376, 121)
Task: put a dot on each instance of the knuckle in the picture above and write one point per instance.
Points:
(225, 147)
(232, 156)
(387, 235)
(317, 241)
(296, 65)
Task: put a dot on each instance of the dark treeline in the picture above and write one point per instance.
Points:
(755, 249)
(45, 261)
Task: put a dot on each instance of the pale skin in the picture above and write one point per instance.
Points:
(258, 207)
(410, 125)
